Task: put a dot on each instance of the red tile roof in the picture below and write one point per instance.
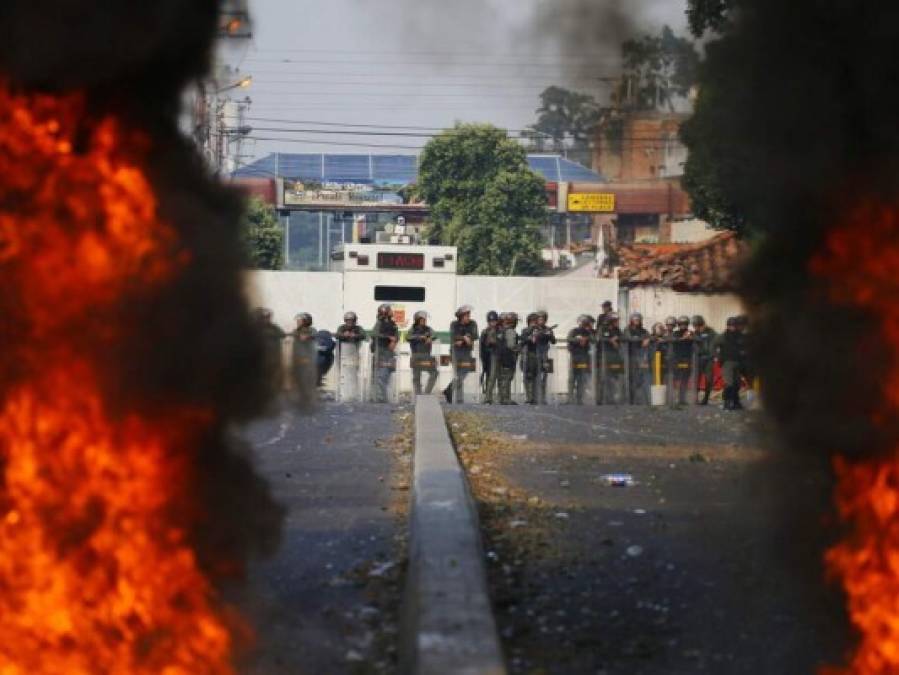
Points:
(707, 266)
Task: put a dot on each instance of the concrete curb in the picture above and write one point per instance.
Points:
(448, 625)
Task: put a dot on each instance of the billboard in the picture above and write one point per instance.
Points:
(593, 202)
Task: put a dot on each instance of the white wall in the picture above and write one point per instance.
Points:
(691, 231)
(563, 298)
(289, 293)
(655, 303)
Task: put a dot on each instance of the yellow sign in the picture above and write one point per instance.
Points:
(601, 202)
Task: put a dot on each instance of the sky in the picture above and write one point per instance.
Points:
(406, 68)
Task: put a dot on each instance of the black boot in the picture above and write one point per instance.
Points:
(705, 397)
(448, 393)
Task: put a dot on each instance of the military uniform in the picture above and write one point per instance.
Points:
(384, 335)
(420, 339)
(304, 356)
(489, 361)
(545, 338)
(730, 351)
(529, 365)
(578, 340)
(682, 363)
(462, 357)
(638, 350)
(610, 364)
(507, 358)
(705, 339)
(350, 337)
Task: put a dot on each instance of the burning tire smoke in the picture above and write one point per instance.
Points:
(127, 352)
(797, 115)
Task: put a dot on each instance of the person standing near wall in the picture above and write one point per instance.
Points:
(350, 337)
(529, 358)
(421, 338)
(489, 367)
(463, 334)
(385, 336)
(636, 340)
(579, 339)
(609, 361)
(545, 338)
(730, 351)
(507, 349)
(304, 353)
(704, 338)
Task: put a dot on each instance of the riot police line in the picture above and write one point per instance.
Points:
(676, 363)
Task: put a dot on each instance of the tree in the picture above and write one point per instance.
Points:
(707, 15)
(657, 69)
(484, 199)
(563, 116)
(263, 236)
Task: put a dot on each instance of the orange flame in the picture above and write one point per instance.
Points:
(96, 571)
(860, 261)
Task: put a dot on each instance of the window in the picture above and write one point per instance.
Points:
(400, 293)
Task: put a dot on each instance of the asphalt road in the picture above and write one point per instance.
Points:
(709, 563)
(327, 602)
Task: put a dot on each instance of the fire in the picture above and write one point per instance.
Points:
(97, 572)
(860, 262)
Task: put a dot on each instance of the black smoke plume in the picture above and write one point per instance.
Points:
(193, 344)
(795, 127)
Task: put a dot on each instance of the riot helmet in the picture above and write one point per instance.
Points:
(350, 317)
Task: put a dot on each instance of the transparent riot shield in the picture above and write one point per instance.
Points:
(349, 376)
(611, 380)
(303, 368)
(638, 370)
(383, 382)
(682, 367)
(424, 367)
(464, 365)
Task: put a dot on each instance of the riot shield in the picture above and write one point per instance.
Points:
(303, 368)
(611, 376)
(682, 367)
(638, 369)
(464, 364)
(349, 378)
(424, 369)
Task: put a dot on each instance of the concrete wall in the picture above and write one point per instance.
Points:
(691, 231)
(655, 303)
(326, 295)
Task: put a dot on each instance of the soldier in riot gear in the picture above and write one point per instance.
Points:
(729, 350)
(385, 336)
(349, 331)
(603, 317)
(670, 325)
(545, 337)
(609, 361)
(704, 338)
(507, 353)
(579, 339)
(528, 342)
(420, 338)
(463, 333)
(273, 337)
(349, 336)
(304, 351)
(681, 356)
(489, 366)
(637, 341)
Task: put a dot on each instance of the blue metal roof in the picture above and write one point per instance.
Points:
(388, 169)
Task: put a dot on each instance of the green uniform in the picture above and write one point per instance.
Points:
(730, 350)
(273, 337)
(507, 349)
(705, 358)
(420, 339)
(610, 365)
(384, 334)
(462, 357)
(579, 351)
(303, 356)
(489, 360)
(638, 364)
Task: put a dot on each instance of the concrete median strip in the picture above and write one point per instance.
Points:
(448, 624)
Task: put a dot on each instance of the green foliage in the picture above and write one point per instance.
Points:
(263, 236)
(484, 199)
(657, 68)
(564, 115)
(705, 15)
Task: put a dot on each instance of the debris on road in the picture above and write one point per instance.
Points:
(618, 479)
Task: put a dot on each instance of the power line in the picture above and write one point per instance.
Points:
(409, 94)
(456, 63)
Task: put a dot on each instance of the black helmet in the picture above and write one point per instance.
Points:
(384, 310)
(698, 320)
(732, 321)
(492, 316)
(350, 316)
(306, 317)
(670, 321)
(607, 305)
(532, 317)
(542, 314)
(463, 310)
(636, 317)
